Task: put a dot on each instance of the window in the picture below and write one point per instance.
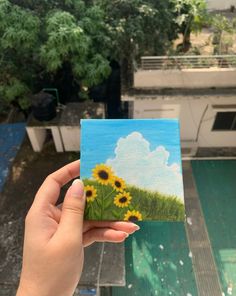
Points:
(225, 121)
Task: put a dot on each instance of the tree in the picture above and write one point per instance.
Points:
(46, 39)
(191, 16)
(69, 44)
(223, 29)
(138, 27)
(19, 32)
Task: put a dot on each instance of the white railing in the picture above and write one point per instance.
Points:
(188, 62)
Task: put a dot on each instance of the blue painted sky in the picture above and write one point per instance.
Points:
(99, 139)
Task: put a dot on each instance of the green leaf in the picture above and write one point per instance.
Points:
(108, 202)
(116, 215)
(99, 202)
(96, 215)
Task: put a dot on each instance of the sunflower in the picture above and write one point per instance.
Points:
(90, 193)
(122, 199)
(133, 216)
(118, 183)
(102, 173)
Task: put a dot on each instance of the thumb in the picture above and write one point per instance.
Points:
(73, 208)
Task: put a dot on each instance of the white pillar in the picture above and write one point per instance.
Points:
(37, 137)
(57, 138)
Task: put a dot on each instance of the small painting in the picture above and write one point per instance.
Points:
(131, 169)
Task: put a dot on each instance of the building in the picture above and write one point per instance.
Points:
(204, 100)
(220, 5)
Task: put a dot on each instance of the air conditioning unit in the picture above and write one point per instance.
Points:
(189, 148)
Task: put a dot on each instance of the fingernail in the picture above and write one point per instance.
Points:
(77, 188)
(136, 226)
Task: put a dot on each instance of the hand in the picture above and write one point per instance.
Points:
(55, 238)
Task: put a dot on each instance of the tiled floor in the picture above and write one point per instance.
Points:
(216, 184)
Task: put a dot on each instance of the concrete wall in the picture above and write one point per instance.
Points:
(220, 4)
(70, 137)
(196, 113)
(186, 78)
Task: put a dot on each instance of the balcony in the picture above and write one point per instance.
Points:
(186, 72)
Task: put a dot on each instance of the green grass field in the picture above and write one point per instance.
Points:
(151, 205)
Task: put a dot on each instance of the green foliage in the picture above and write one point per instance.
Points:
(43, 38)
(37, 40)
(15, 89)
(65, 39)
(19, 29)
(137, 28)
(191, 16)
(75, 36)
(136, 25)
(162, 29)
(152, 205)
(220, 23)
(224, 30)
(157, 206)
(19, 32)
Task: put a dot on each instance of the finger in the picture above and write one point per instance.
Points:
(60, 206)
(128, 227)
(72, 213)
(103, 235)
(56, 213)
(50, 189)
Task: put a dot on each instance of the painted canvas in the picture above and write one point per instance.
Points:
(132, 169)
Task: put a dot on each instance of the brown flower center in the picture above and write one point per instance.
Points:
(123, 199)
(117, 184)
(89, 193)
(133, 218)
(103, 175)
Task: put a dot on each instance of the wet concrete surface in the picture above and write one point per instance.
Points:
(28, 171)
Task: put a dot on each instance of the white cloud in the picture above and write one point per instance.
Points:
(138, 165)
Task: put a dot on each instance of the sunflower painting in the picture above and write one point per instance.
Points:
(90, 193)
(132, 169)
(122, 199)
(103, 174)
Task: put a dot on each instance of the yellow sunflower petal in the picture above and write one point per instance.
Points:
(118, 184)
(122, 199)
(102, 173)
(90, 193)
(133, 216)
